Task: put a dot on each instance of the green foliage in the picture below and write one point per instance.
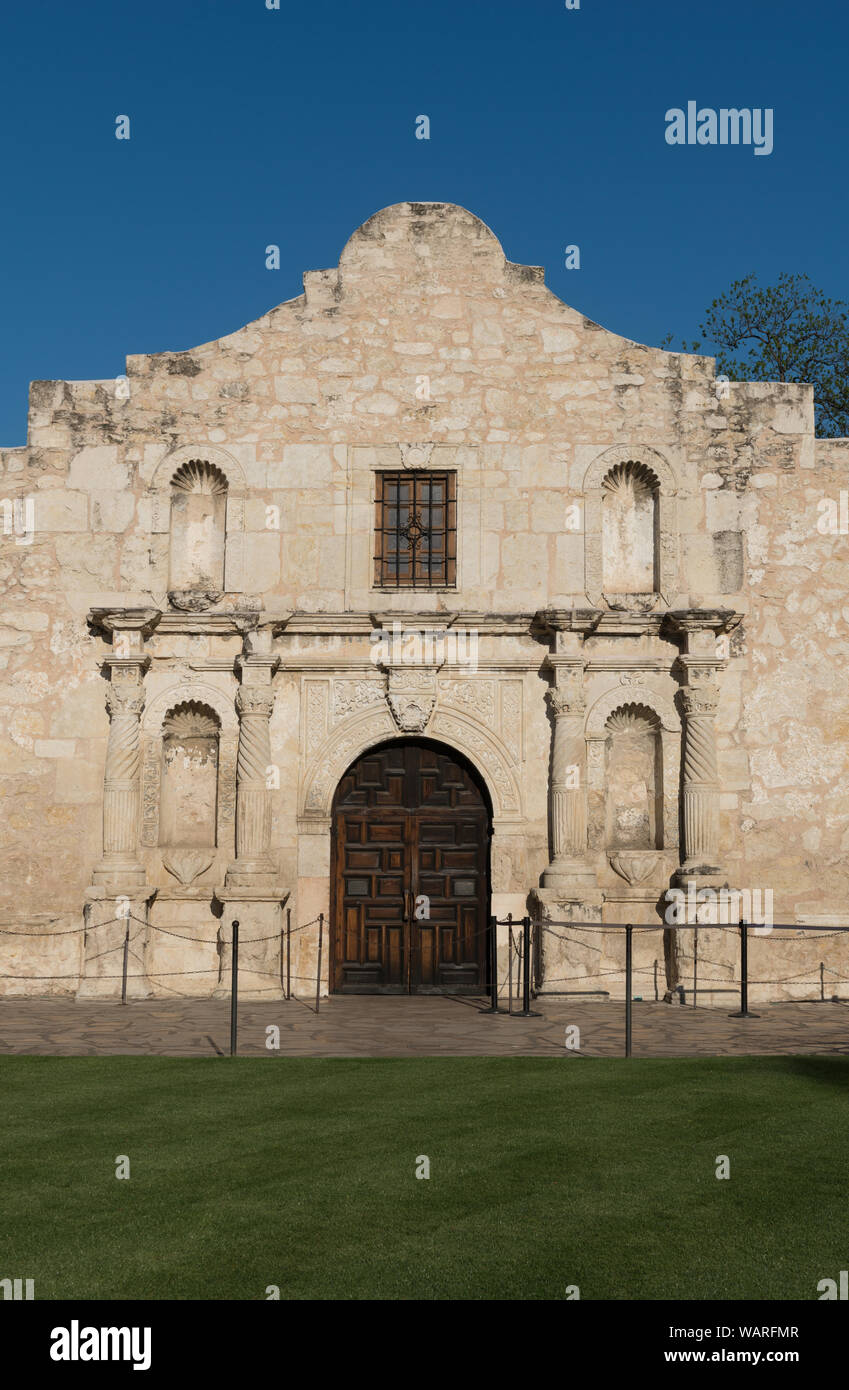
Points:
(789, 331)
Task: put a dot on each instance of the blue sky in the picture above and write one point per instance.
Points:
(252, 126)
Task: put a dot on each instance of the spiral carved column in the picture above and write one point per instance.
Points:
(253, 866)
(120, 866)
(700, 781)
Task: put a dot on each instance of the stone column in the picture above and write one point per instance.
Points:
(700, 782)
(568, 787)
(253, 866)
(118, 901)
(120, 866)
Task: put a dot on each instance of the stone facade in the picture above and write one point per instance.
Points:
(187, 664)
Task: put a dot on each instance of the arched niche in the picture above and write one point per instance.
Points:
(198, 524)
(197, 496)
(633, 779)
(629, 533)
(617, 714)
(631, 529)
(190, 739)
(158, 727)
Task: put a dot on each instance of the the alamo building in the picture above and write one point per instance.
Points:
(421, 589)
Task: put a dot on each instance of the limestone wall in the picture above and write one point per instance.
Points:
(424, 346)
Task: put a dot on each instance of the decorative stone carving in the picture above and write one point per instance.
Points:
(187, 864)
(511, 716)
(315, 714)
(120, 867)
(194, 600)
(351, 697)
(253, 866)
(475, 695)
(700, 782)
(412, 696)
(567, 787)
(634, 866)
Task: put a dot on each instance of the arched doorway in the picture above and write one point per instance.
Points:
(410, 873)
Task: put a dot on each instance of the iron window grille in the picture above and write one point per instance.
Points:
(415, 530)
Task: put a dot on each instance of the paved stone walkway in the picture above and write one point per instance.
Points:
(358, 1026)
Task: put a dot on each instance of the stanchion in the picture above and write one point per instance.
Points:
(695, 963)
(629, 962)
(234, 990)
(318, 972)
(288, 953)
(510, 949)
(656, 995)
(492, 965)
(822, 982)
(744, 975)
(124, 970)
(526, 1011)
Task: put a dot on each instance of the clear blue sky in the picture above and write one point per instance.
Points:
(252, 126)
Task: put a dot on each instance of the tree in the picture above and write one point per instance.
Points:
(789, 331)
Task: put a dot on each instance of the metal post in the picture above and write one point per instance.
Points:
(492, 962)
(629, 946)
(526, 1011)
(318, 971)
(656, 996)
(695, 963)
(288, 953)
(234, 991)
(744, 974)
(124, 970)
(510, 950)
(822, 981)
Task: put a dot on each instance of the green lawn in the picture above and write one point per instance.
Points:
(544, 1173)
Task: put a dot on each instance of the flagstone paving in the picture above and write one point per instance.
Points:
(379, 1026)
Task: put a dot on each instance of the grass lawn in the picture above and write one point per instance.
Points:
(544, 1173)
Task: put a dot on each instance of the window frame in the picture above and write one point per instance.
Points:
(446, 578)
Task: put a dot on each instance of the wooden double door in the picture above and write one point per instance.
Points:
(410, 874)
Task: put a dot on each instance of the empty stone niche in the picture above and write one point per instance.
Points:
(198, 534)
(630, 535)
(189, 789)
(633, 781)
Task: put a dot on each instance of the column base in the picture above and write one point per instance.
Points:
(259, 912)
(258, 873)
(121, 873)
(700, 875)
(107, 916)
(574, 877)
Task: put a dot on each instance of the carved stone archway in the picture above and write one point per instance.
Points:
(457, 730)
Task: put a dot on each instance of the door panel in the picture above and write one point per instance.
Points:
(409, 820)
